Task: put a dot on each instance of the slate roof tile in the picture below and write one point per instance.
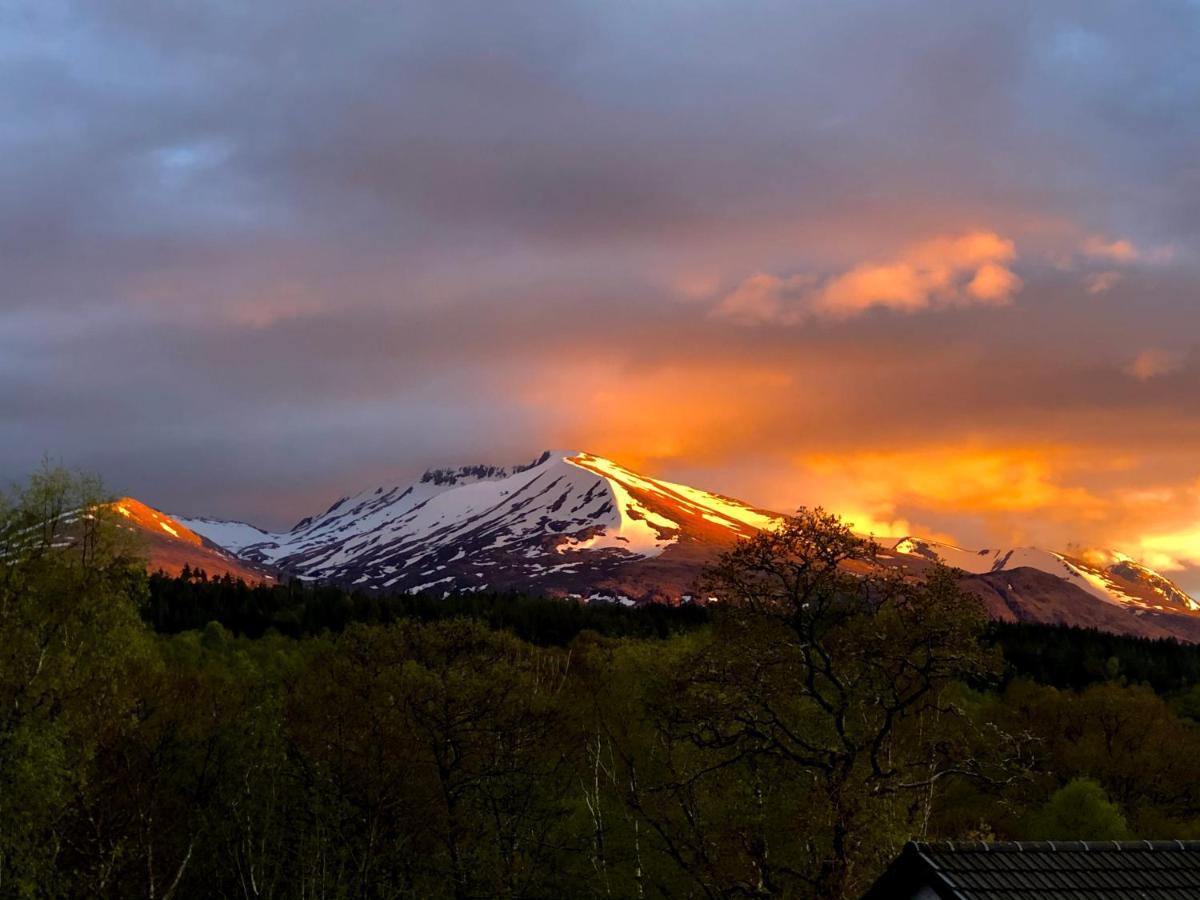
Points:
(1058, 870)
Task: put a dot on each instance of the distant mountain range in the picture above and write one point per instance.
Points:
(579, 526)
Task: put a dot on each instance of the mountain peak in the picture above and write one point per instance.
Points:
(468, 474)
(566, 519)
(150, 519)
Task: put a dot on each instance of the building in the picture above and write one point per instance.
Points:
(1049, 870)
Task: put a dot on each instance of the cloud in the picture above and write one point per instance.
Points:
(980, 478)
(993, 283)
(945, 271)
(1161, 526)
(321, 285)
(1101, 282)
(766, 298)
(669, 408)
(899, 286)
(1154, 363)
(1172, 551)
(985, 494)
(1119, 250)
(1123, 250)
(969, 269)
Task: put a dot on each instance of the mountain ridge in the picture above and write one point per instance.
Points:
(566, 521)
(170, 545)
(577, 525)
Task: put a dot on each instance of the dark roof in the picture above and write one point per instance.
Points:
(1045, 870)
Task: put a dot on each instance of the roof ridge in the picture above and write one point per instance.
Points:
(1051, 846)
(975, 870)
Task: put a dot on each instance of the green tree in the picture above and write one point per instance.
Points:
(1079, 811)
(69, 588)
(437, 754)
(799, 746)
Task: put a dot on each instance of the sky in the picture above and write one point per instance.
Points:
(934, 265)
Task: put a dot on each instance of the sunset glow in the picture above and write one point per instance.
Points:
(934, 269)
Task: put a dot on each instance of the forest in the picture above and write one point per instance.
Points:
(192, 737)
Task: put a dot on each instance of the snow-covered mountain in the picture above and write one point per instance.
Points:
(1112, 577)
(574, 524)
(568, 523)
(169, 545)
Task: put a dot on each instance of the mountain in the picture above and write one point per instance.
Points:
(1103, 590)
(569, 523)
(170, 545)
(578, 525)
(1111, 577)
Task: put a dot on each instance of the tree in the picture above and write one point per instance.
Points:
(1079, 811)
(436, 752)
(69, 586)
(799, 746)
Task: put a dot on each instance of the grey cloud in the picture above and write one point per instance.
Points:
(255, 252)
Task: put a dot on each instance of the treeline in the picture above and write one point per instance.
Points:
(299, 609)
(1077, 657)
(788, 746)
(1057, 655)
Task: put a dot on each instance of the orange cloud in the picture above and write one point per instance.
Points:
(899, 286)
(1172, 551)
(993, 284)
(980, 479)
(1117, 250)
(1160, 526)
(962, 252)
(765, 298)
(1053, 496)
(672, 411)
(762, 421)
(967, 269)
(1153, 363)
